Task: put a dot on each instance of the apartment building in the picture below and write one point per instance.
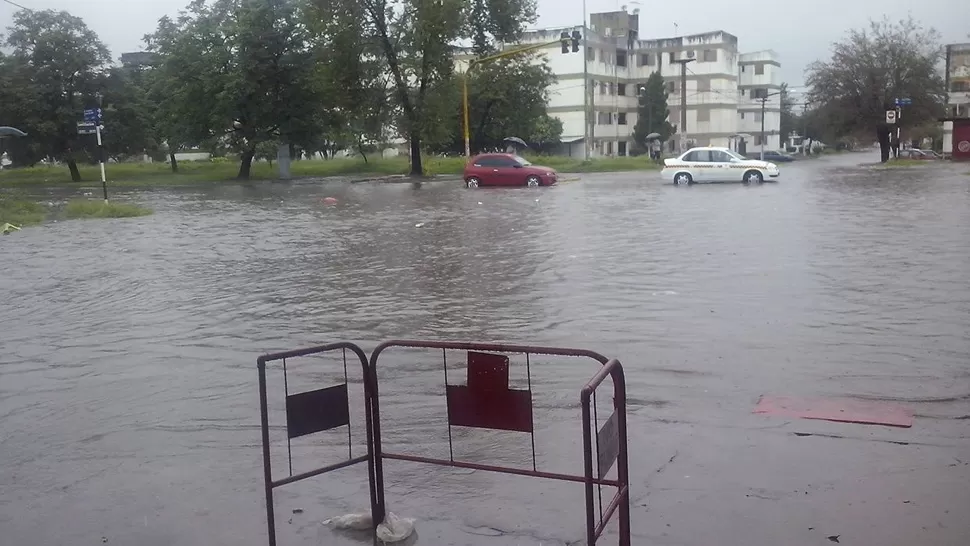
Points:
(957, 121)
(724, 87)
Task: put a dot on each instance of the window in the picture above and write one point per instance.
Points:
(757, 116)
(699, 156)
(703, 115)
(590, 54)
(621, 58)
(494, 161)
(621, 118)
(709, 56)
(742, 68)
(604, 118)
(621, 147)
(671, 54)
(704, 84)
(611, 89)
(671, 86)
(646, 59)
(758, 141)
(742, 115)
(621, 89)
(759, 69)
(720, 157)
(602, 88)
(609, 148)
(759, 93)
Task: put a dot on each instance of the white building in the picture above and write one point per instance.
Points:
(723, 86)
(957, 88)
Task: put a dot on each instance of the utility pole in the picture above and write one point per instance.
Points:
(683, 101)
(764, 101)
(587, 91)
(104, 183)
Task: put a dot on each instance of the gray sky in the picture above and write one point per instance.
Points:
(800, 31)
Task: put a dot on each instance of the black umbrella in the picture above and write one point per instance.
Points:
(10, 132)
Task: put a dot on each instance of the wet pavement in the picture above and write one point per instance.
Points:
(128, 396)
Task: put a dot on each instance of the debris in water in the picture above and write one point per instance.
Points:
(297, 510)
(419, 224)
(329, 200)
(834, 538)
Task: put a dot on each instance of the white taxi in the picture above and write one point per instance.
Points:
(716, 165)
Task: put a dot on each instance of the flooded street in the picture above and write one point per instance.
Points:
(129, 407)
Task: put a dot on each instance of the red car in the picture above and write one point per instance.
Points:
(506, 170)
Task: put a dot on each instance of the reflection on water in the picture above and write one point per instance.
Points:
(127, 380)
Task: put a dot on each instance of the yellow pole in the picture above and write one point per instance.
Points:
(464, 84)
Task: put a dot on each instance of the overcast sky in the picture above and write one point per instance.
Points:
(799, 31)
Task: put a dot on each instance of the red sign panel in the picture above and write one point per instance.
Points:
(487, 401)
(961, 140)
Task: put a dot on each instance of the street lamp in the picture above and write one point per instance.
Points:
(764, 101)
(683, 97)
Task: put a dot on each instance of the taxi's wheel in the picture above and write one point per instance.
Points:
(533, 181)
(472, 182)
(753, 177)
(683, 179)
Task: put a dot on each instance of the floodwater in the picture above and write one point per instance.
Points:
(128, 388)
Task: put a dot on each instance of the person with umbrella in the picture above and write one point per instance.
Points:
(514, 144)
(654, 146)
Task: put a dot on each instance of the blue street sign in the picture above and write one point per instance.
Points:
(904, 102)
(93, 115)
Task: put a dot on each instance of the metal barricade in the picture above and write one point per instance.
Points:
(484, 402)
(311, 412)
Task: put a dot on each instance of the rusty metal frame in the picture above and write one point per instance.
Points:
(377, 501)
(609, 368)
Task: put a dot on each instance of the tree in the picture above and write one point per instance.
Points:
(55, 68)
(416, 39)
(788, 118)
(506, 97)
(652, 111)
(128, 116)
(870, 69)
(546, 132)
(239, 70)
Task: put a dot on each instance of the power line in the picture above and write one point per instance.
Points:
(12, 3)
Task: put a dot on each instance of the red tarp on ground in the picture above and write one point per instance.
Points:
(843, 410)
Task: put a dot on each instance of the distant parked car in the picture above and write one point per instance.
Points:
(916, 153)
(773, 155)
(716, 165)
(507, 170)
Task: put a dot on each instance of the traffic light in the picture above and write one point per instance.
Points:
(564, 39)
(576, 38)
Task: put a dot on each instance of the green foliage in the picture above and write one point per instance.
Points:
(869, 69)
(97, 208)
(652, 112)
(195, 172)
(240, 69)
(51, 75)
(506, 98)
(20, 212)
(788, 119)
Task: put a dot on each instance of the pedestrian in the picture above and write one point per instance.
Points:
(655, 149)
